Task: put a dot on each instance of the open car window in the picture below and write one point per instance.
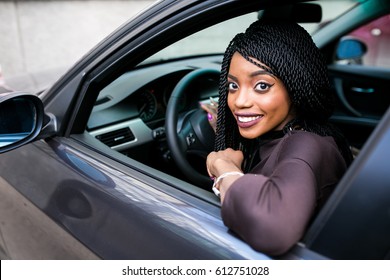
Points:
(129, 115)
(217, 37)
(215, 40)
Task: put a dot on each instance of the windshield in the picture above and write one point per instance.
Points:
(214, 40)
(331, 9)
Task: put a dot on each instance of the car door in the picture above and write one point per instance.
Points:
(355, 224)
(107, 209)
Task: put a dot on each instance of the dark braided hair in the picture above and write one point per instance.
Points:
(287, 51)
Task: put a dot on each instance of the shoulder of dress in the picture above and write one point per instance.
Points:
(301, 136)
(302, 143)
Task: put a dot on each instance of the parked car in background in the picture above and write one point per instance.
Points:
(106, 165)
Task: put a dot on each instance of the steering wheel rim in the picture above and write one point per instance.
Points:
(194, 132)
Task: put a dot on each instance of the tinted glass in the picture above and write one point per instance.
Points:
(17, 120)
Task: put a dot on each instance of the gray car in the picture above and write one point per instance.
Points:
(109, 163)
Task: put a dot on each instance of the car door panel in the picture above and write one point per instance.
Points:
(113, 212)
(27, 232)
(362, 98)
(357, 214)
(364, 91)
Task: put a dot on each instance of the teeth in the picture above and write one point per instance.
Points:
(247, 119)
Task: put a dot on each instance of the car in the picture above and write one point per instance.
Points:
(109, 162)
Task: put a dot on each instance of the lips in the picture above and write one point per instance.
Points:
(245, 121)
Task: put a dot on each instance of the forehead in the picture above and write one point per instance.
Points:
(240, 64)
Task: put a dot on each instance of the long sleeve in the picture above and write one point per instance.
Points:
(271, 207)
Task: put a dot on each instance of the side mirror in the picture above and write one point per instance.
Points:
(21, 119)
(350, 49)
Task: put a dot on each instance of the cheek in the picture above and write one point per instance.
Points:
(282, 105)
(269, 104)
(278, 103)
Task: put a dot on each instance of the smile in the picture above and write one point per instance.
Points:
(244, 119)
(248, 121)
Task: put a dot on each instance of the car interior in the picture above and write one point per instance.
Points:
(151, 113)
(136, 125)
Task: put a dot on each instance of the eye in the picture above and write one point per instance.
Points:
(262, 86)
(232, 86)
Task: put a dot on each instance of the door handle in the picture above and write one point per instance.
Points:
(340, 93)
(362, 90)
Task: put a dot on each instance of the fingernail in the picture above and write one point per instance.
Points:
(209, 116)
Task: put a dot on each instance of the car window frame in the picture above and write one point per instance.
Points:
(128, 57)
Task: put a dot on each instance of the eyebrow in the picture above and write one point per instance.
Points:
(262, 72)
(254, 74)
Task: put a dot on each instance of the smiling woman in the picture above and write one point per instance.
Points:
(272, 125)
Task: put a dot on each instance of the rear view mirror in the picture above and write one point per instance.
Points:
(298, 12)
(21, 118)
(350, 49)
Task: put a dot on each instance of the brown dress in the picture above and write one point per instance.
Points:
(271, 206)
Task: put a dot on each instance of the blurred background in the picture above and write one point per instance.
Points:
(40, 40)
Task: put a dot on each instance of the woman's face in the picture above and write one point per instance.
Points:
(258, 100)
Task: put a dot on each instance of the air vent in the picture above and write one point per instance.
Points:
(116, 137)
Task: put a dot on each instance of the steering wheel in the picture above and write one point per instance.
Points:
(189, 133)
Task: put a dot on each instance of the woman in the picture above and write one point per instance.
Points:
(276, 157)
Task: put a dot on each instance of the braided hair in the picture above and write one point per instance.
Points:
(287, 51)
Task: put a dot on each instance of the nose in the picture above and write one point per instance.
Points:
(243, 98)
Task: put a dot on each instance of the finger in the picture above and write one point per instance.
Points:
(207, 108)
(213, 102)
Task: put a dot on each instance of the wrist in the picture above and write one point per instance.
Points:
(219, 179)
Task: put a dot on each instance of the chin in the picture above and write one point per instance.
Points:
(250, 135)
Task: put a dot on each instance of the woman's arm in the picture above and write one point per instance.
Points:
(272, 209)
(271, 213)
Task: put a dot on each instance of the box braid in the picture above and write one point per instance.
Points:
(288, 52)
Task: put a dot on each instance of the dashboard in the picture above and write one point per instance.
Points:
(131, 110)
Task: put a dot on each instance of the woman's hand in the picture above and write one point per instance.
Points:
(212, 110)
(220, 162)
